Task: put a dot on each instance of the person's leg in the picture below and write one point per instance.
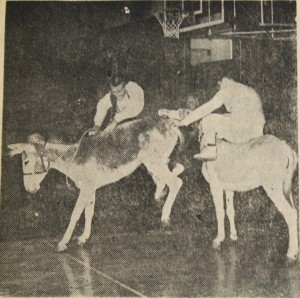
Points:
(212, 125)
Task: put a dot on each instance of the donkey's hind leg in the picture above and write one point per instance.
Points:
(161, 186)
(217, 194)
(231, 213)
(165, 176)
(290, 215)
(161, 189)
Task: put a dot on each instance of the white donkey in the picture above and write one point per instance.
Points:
(265, 161)
(100, 160)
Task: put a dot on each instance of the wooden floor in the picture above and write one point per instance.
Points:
(156, 264)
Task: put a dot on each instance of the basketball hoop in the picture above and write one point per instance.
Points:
(170, 21)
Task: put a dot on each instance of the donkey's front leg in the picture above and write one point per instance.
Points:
(89, 213)
(79, 206)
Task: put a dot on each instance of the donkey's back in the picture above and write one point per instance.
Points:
(265, 161)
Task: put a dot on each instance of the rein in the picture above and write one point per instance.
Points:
(74, 155)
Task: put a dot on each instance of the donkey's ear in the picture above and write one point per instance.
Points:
(36, 138)
(19, 148)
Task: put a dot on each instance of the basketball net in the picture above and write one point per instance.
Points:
(170, 22)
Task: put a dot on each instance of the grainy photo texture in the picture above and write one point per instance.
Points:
(150, 148)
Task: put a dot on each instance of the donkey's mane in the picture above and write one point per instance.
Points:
(57, 150)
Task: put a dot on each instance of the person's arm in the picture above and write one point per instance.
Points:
(135, 103)
(102, 107)
(204, 110)
(179, 114)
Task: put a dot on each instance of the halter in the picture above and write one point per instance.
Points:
(45, 168)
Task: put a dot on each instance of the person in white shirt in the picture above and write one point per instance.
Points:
(124, 101)
(245, 118)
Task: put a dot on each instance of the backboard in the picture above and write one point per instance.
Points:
(201, 13)
(240, 15)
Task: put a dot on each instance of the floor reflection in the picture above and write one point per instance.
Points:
(155, 264)
(226, 272)
(293, 280)
(246, 271)
(80, 281)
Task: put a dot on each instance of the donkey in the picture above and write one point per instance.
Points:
(264, 161)
(103, 159)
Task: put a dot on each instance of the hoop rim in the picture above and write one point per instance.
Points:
(171, 28)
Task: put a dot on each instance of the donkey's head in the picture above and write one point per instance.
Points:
(34, 164)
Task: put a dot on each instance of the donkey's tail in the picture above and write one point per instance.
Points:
(170, 127)
(288, 178)
(181, 139)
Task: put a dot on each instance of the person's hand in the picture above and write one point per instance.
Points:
(177, 123)
(109, 128)
(93, 130)
(163, 112)
(173, 114)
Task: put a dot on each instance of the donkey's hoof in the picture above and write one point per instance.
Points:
(166, 227)
(233, 237)
(81, 241)
(291, 257)
(61, 247)
(216, 244)
(165, 223)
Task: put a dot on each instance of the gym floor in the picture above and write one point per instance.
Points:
(174, 263)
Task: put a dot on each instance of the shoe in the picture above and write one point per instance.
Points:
(207, 153)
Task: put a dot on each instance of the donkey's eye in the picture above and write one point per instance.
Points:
(26, 162)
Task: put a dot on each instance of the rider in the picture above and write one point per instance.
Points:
(124, 101)
(244, 120)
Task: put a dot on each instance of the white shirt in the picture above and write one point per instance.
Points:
(130, 106)
(242, 102)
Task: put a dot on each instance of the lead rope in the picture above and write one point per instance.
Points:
(74, 155)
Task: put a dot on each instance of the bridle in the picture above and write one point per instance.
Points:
(45, 167)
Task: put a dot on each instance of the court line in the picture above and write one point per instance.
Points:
(99, 272)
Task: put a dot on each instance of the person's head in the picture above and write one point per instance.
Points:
(117, 86)
(225, 82)
(192, 102)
